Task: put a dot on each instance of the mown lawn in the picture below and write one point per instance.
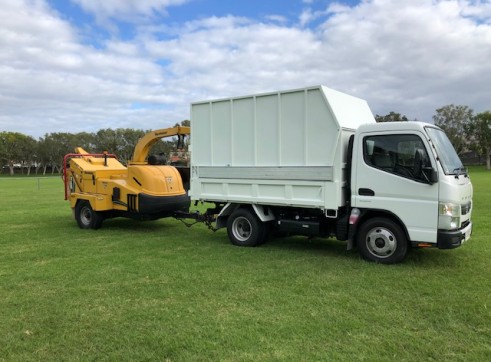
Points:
(161, 291)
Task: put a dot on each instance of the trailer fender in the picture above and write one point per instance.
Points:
(98, 202)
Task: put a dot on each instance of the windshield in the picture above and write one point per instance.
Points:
(450, 161)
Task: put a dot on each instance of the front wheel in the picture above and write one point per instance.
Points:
(382, 240)
(245, 229)
(86, 217)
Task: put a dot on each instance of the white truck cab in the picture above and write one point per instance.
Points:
(409, 172)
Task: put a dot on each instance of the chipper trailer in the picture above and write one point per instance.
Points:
(98, 186)
(309, 161)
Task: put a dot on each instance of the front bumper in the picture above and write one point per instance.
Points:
(453, 239)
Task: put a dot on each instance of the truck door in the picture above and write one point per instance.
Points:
(388, 175)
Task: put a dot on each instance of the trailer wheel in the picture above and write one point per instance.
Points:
(382, 240)
(86, 217)
(245, 229)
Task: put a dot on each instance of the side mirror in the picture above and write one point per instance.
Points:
(422, 168)
(430, 175)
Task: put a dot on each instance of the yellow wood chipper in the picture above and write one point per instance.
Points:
(98, 186)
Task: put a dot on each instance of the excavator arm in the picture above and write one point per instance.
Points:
(146, 142)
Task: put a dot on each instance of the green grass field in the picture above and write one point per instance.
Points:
(161, 291)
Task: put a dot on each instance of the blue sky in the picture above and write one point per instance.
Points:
(83, 65)
(270, 11)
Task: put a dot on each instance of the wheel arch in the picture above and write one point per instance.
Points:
(86, 216)
(222, 217)
(262, 212)
(367, 214)
(83, 199)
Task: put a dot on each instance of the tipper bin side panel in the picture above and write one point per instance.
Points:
(294, 128)
(267, 135)
(221, 131)
(322, 130)
(202, 134)
(244, 140)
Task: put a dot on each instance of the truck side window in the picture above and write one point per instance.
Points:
(402, 155)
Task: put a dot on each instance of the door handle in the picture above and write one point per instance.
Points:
(366, 192)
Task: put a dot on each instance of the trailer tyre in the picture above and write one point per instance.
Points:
(86, 217)
(382, 240)
(245, 229)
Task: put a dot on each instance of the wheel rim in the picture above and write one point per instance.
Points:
(381, 242)
(86, 216)
(241, 228)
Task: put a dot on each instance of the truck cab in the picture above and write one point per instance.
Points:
(408, 174)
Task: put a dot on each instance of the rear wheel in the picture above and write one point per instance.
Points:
(245, 229)
(382, 240)
(86, 217)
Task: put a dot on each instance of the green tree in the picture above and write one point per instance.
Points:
(27, 153)
(14, 148)
(391, 117)
(106, 140)
(128, 140)
(479, 134)
(120, 142)
(53, 147)
(455, 121)
(85, 140)
(44, 153)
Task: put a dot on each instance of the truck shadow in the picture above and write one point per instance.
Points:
(299, 244)
(433, 259)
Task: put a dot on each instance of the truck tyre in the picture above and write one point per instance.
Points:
(86, 217)
(382, 240)
(245, 229)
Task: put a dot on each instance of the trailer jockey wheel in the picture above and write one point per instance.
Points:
(86, 217)
(245, 229)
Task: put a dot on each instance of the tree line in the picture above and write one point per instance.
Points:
(467, 132)
(45, 155)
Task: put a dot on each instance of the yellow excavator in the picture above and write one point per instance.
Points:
(98, 186)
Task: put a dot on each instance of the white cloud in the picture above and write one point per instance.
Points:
(407, 56)
(477, 9)
(426, 54)
(50, 82)
(410, 57)
(225, 55)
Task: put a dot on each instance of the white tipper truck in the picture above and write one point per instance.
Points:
(314, 162)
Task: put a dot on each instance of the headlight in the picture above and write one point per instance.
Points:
(449, 216)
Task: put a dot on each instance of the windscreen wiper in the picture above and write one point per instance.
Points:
(460, 171)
